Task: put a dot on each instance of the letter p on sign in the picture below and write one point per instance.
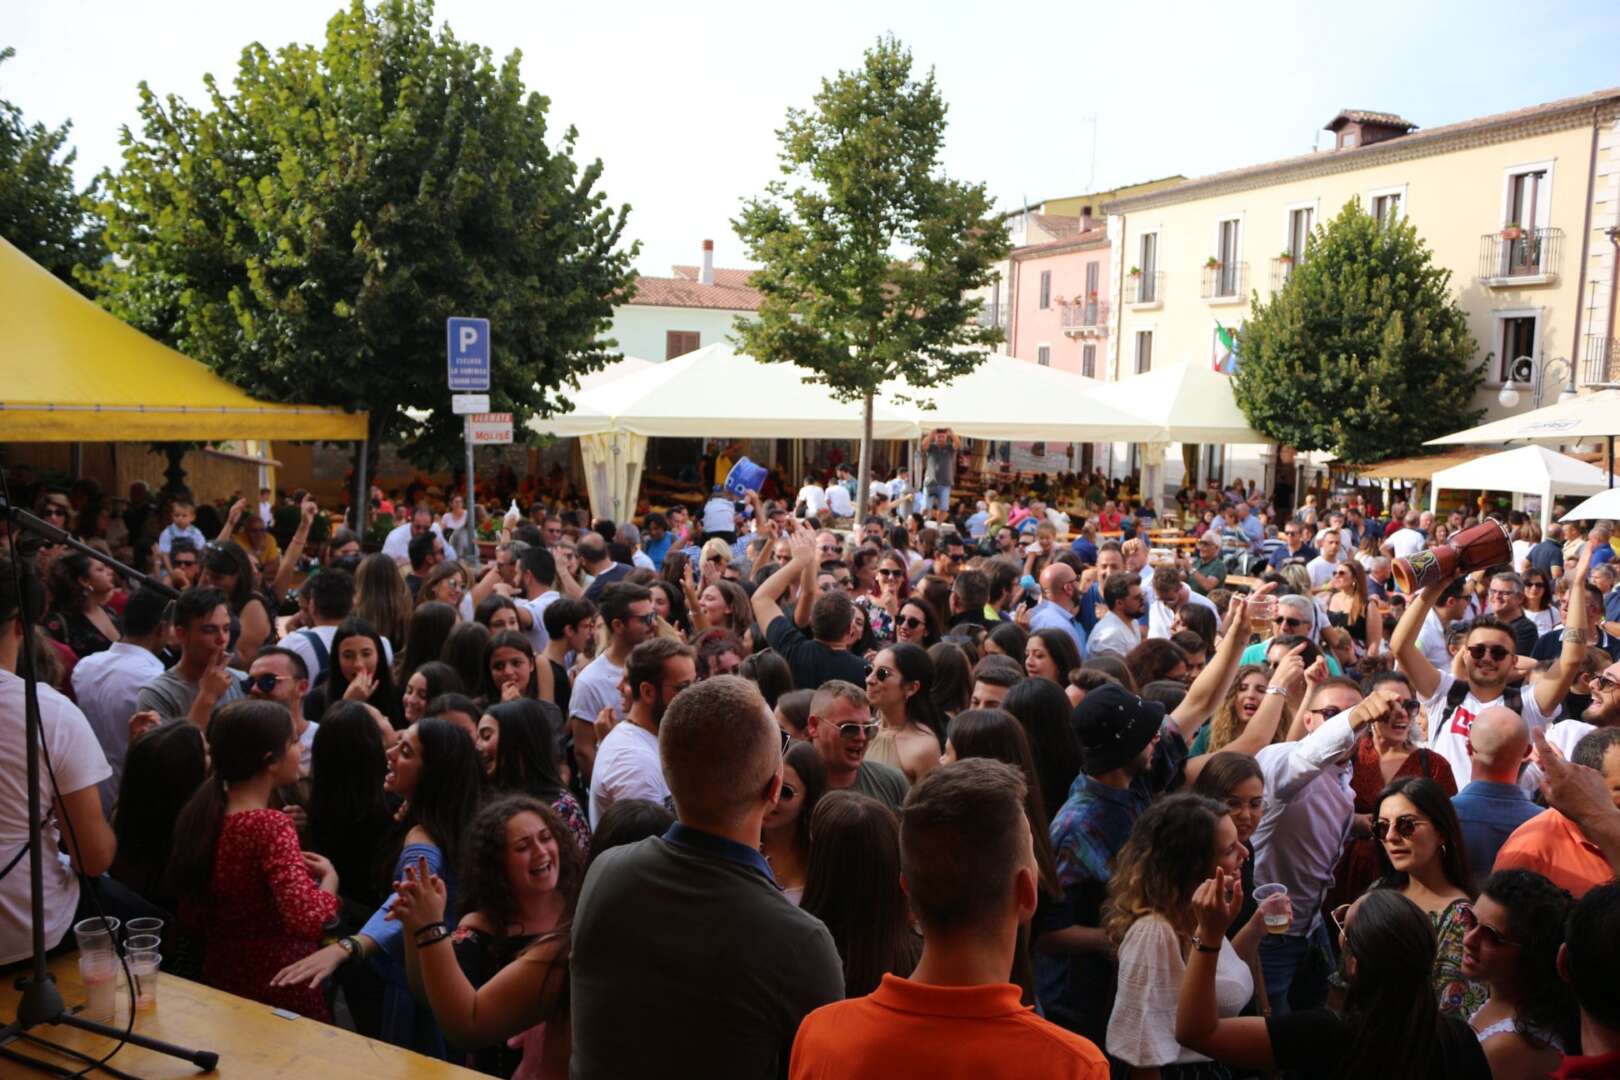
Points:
(467, 345)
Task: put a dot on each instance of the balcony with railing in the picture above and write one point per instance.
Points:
(1145, 290)
(1085, 318)
(1224, 282)
(1513, 258)
(1600, 361)
(1282, 268)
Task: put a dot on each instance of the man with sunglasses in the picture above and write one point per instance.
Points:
(841, 727)
(279, 675)
(1296, 547)
(1490, 664)
(183, 559)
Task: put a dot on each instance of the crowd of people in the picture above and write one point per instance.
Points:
(973, 787)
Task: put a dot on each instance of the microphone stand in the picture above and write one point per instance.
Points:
(41, 1002)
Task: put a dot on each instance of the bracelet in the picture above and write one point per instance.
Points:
(1276, 690)
(1201, 947)
(435, 934)
(425, 927)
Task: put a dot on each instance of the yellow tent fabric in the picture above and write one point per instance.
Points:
(71, 372)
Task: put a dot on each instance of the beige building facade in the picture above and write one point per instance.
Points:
(1523, 209)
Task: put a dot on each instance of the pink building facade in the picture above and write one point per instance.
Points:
(1061, 302)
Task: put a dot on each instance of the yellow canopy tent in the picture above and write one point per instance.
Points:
(75, 373)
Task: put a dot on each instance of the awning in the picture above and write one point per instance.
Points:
(1187, 403)
(1412, 468)
(76, 373)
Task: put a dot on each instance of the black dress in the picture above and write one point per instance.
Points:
(481, 957)
(75, 630)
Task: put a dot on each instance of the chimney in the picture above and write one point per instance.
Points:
(1086, 224)
(706, 275)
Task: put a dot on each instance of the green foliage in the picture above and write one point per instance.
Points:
(40, 212)
(1365, 352)
(308, 231)
(867, 259)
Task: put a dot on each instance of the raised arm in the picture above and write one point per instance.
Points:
(1262, 726)
(1403, 643)
(228, 530)
(802, 540)
(1555, 684)
(1243, 1040)
(295, 549)
(1213, 682)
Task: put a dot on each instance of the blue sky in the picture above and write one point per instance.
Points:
(681, 101)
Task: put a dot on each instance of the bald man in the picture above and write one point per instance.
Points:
(1059, 608)
(1493, 804)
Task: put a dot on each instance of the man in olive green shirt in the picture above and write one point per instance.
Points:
(1207, 570)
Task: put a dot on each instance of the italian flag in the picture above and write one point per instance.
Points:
(1225, 358)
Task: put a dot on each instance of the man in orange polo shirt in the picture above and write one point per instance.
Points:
(967, 863)
(1555, 845)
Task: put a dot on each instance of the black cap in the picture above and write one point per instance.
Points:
(1114, 725)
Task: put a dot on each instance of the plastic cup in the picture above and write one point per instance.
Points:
(99, 970)
(1261, 610)
(143, 943)
(144, 926)
(1274, 907)
(143, 968)
(96, 934)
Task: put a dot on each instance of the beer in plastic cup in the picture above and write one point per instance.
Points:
(1274, 907)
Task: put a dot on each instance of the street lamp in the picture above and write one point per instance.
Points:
(1525, 369)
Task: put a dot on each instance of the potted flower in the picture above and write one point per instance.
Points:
(1286, 257)
(1211, 263)
(1136, 271)
(1513, 231)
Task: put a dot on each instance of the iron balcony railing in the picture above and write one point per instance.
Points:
(1510, 255)
(1085, 315)
(1224, 281)
(1600, 361)
(1145, 288)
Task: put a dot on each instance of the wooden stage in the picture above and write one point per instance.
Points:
(250, 1039)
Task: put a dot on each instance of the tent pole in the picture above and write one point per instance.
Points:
(1611, 461)
(361, 501)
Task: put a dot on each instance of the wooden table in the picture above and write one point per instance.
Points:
(251, 1040)
(1246, 583)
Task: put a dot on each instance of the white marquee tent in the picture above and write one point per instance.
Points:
(1527, 470)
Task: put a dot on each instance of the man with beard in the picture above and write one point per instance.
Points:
(627, 765)
(1490, 654)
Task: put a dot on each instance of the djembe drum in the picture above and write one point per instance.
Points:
(1486, 544)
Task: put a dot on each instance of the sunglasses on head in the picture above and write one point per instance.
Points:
(1470, 921)
(1497, 652)
(1405, 826)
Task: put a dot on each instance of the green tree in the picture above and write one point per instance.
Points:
(310, 230)
(41, 213)
(1365, 352)
(867, 260)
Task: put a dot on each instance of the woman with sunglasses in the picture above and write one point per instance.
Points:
(1386, 750)
(1388, 1027)
(894, 588)
(900, 689)
(917, 623)
(226, 567)
(1540, 603)
(1350, 607)
(1421, 854)
(1515, 933)
(446, 583)
(785, 837)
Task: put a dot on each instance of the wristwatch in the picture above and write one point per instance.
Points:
(349, 945)
(1201, 947)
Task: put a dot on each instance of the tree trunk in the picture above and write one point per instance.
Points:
(175, 474)
(360, 496)
(863, 481)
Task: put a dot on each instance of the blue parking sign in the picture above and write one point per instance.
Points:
(467, 342)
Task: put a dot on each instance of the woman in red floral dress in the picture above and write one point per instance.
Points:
(245, 886)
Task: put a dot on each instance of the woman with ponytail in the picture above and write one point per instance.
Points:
(244, 885)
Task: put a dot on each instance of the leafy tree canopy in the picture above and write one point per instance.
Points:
(41, 213)
(1365, 352)
(309, 230)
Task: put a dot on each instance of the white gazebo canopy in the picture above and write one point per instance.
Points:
(1586, 416)
(1007, 398)
(1527, 470)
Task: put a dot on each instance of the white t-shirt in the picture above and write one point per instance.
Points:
(78, 762)
(627, 767)
(719, 515)
(306, 747)
(1112, 635)
(1161, 618)
(1451, 741)
(1321, 571)
(1406, 542)
(595, 688)
(813, 497)
(298, 643)
(1431, 642)
(397, 546)
(839, 504)
(538, 638)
